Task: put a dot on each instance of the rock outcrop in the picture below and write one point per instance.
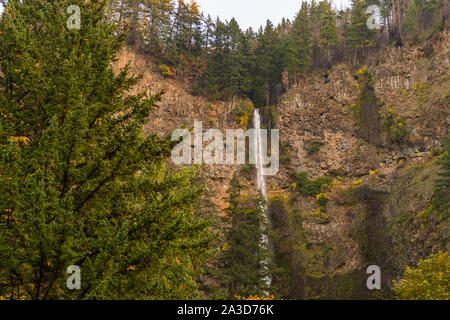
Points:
(375, 200)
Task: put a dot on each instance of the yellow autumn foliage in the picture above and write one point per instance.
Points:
(430, 280)
(362, 70)
(321, 195)
(165, 70)
(243, 120)
(256, 297)
(18, 139)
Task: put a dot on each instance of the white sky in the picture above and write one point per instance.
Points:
(253, 13)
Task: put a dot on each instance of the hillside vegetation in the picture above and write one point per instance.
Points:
(86, 177)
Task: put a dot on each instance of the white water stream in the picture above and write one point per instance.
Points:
(259, 154)
(261, 183)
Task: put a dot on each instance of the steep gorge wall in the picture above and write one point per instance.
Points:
(377, 192)
(374, 202)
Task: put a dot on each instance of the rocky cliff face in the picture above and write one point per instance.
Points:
(379, 190)
(378, 193)
(179, 109)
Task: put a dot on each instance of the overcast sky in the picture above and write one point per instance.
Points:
(253, 13)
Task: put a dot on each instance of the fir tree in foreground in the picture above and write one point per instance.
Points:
(79, 182)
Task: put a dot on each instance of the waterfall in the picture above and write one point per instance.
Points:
(259, 154)
(261, 183)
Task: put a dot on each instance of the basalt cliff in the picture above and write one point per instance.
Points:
(378, 161)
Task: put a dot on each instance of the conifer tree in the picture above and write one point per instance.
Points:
(230, 62)
(131, 13)
(155, 24)
(268, 65)
(244, 255)
(218, 61)
(235, 57)
(328, 30)
(79, 182)
(314, 27)
(247, 63)
(411, 18)
(299, 46)
(209, 30)
(358, 35)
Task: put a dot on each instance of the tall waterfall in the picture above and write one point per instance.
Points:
(259, 154)
(261, 183)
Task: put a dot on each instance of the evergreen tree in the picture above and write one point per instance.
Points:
(244, 254)
(328, 30)
(299, 45)
(268, 65)
(230, 62)
(209, 30)
(411, 18)
(182, 30)
(130, 12)
(314, 27)
(234, 57)
(79, 182)
(247, 63)
(358, 35)
(217, 61)
(186, 26)
(171, 52)
(156, 19)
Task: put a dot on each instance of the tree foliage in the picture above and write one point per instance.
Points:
(226, 61)
(299, 45)
(79, 182)
(328, 29)
(244, 257)
(430, 280)
(357, 34)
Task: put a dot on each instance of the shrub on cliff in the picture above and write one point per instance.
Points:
(429, 281)
(394, 127)
(311, 187)
(243, 107)
(243, 112)
(165, 70)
